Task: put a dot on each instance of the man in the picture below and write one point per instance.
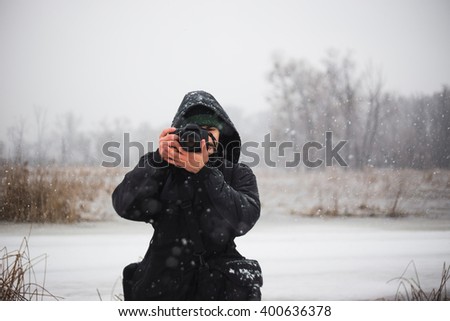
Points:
(197, 203)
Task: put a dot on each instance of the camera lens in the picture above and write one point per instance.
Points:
(190, 137)
(191, 141)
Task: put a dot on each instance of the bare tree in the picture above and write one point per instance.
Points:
(74, 144)
(374, 88)
(294, 100)
(40, 115)
(16, 136)
(381, 128)
(67, 133)
(441, 128)
(2, 151)
(343, 89)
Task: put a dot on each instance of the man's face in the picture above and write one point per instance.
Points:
(215, 132)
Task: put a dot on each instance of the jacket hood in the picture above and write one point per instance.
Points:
(197, 102)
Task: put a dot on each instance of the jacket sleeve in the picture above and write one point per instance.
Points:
(238, 204)
(136, 197)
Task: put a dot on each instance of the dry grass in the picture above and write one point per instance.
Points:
(114, 296)
(71, 194)
(409, 289)
(47, 194)
(18, 281)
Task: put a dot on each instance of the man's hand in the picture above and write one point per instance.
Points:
(172, 152)
(166, 141)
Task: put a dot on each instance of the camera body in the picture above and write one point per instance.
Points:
(190, 137)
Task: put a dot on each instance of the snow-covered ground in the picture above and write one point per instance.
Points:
(302, 258)
(370, 192)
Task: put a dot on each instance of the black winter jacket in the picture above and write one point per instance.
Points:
(225, 200)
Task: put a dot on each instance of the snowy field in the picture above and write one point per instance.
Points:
(323, 235)
(372, 192)
(302, 258)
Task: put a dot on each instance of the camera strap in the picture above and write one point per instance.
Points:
(214, 144)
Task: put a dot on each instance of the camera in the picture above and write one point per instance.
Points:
(190, 137)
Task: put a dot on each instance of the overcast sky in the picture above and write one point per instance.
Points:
(137, 59)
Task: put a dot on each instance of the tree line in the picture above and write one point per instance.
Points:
(381, 128)
(63, 140)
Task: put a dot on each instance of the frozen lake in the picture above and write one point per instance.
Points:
(301, 258)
